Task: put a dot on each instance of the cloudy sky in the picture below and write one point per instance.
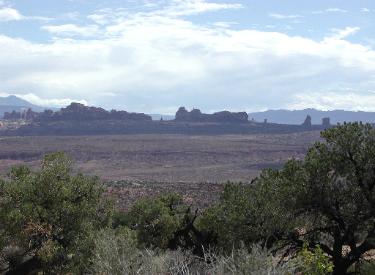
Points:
(156, 55)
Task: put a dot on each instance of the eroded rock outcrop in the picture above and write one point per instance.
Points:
(76, 112)
(307, 123)
(222, 117)
(26, 114)
(80, 112)
(326, 122)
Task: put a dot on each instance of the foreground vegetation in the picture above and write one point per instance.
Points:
(314, 216)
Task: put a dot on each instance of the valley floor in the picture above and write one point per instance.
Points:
(148, 164)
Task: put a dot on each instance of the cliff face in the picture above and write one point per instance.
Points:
(77, 119)
(307, 123)
(221, 117)
(77, 112)
(80, 112)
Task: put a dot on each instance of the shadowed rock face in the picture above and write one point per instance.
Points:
(80, 112)
(222, 117)
(307, 122)
(27, 115)
(78, 119)
(326, 122)
(12, 115)
(77, 112)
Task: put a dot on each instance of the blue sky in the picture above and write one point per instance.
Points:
(154, 56)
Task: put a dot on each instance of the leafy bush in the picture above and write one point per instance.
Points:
(161, 222)
(330, 195)
(48, 217)
(247, 214)
(314, 262)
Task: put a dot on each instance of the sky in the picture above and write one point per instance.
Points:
(156, 55)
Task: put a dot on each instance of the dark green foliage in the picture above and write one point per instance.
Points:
(49, 216)
(161, 222)
(338, 193)
(156, 220)
(247, 214)
(326, 199)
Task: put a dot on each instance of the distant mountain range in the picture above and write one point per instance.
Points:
(14, 103)
(298, 116)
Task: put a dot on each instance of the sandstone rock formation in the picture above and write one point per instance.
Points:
(80, 112)
(26, 115)
(326, 122)
(77, 112)
(222, 117)
(307, 122)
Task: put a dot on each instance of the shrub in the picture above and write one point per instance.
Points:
(49, 216)
(247, 214)
(161, 222)
(330, 195)
(256, 260)
(116, 252)
(314, 262)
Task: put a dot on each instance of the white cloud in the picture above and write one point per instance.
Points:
(333, 101)
(330, 10)
(100, 18)
(365, 10)
(224, 24)
(70, 30)
(171, 9)
(149, 61)
(285, 16)
(189, 7)
(10, 14)
(46, 102)
(50, 102)
(336, 10)
(343, 33)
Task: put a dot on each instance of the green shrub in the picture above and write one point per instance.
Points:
(314, 262)
(49, 216)
(157, 220)
(330, 195)
(247, 214)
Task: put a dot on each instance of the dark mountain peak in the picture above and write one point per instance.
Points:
(12, 103)
(13, 100)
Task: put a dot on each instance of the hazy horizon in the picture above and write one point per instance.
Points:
(169, 115)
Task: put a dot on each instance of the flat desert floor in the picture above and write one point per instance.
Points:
(148, 164)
